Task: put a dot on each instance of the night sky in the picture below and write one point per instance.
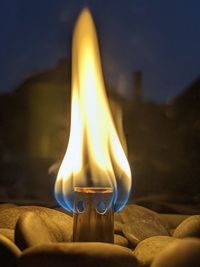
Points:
(162, 38)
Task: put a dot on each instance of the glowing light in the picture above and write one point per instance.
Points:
(95, 156)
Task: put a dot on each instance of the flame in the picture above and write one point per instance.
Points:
(94, 156)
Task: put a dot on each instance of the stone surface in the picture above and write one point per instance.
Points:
(181, 253)
(133, 240)
(149, 248)
(7, 206)
(188, 228)
(172, 220)
(121, 241)
(78, 255)
(9, 233)
(58, 223)
(31, 231)
(118, 228)
(140, 223)
(171, 231)
(9, 252)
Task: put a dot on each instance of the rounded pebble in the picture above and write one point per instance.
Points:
(7, 206)
(121, 241)
(149, 248)
(58, 223)
(9, 233)
(172, 220)
(140, 223)
(31, 231)
(78, 255)
(188, 228)
(181, 253)
(118, 228)
(133, 240)
(9, 252)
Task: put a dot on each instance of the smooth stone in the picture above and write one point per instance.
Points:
(58, 223)
(188, 228)
(9, 233)
(9, 252)
(181, 253)
(172, 220)
(140, 223)
(78, 255)
(118, 228)
(7, 206)
(133, 241)
(171, 231)
(31, 231)
(149, 248)
(132, 211)
(121, 241)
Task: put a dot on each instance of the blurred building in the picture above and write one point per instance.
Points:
(39, 108)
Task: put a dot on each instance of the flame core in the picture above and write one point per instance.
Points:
(95, 156)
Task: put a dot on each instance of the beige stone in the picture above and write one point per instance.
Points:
(140, 223)
(78, 255)
(121, 241)
(9, 233)
(181, 253)
(9, 252)
(31, 231)
(190, 227)
(149, 248)
(58, 223)
(172, 220)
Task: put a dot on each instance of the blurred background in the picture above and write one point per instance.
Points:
(151, 62)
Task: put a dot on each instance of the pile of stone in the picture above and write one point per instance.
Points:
(33, 236)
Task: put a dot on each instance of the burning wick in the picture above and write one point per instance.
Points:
(94, 179)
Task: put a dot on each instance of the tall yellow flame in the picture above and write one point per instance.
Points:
(94, 157)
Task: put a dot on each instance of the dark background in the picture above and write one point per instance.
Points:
(160, 37)
(160, 102)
